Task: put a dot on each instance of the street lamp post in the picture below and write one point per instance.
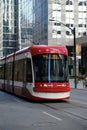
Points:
(74, 35)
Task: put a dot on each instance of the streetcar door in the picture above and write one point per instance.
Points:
(27, 75)
(29, 71)
(8, 77)
(4, 67)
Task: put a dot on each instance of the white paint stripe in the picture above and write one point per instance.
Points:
(59, 119)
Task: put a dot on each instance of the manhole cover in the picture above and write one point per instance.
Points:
(44, 124)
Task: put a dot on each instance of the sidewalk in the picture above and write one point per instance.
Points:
(79, 84)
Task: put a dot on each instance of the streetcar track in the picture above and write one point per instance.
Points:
(79, 103)
(75, 115)
(70, 114)
(61, 109)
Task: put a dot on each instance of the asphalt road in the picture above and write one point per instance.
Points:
(20, 114)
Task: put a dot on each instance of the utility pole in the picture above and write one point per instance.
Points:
(74, 34)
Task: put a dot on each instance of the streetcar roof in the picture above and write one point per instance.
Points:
(40, 49)
(44, 49)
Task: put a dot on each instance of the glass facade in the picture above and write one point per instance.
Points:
(26, 20)
(1, 27)
(40, 21)
(9, 26)
(15, 25)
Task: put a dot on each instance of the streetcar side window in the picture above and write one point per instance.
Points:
(28, 71)
(20, 66)
(9, 71)
(23, 70)
(2, 71)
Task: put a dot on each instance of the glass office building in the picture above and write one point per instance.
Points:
(8, 26)
(1, 28)
(26, 20)
(15, 25)
(40, 21)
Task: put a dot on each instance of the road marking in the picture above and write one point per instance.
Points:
(59, 119)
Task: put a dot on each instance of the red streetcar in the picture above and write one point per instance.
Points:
(37, 72)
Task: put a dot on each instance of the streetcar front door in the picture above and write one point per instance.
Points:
(27, 75)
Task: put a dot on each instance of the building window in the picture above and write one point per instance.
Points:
(57, 24)
(80, 25)
(67, 33)
(84, 33)
(68, 2)
(82, 3)
(58, 32)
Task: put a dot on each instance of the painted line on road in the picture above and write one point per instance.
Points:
(59, 119)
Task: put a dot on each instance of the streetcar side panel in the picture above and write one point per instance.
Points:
(20, 79)
(23, 74)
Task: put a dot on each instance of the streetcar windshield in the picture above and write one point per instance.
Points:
(50, 68)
